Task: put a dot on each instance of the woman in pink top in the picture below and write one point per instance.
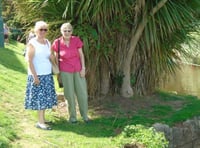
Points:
(72, 67)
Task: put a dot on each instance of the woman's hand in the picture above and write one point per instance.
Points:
(36, 81)
(82, 72)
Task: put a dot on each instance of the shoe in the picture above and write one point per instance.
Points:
(48, 122)
(73, 122)
(87, 121)
(43, 126)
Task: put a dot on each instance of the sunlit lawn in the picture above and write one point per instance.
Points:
(17, 125)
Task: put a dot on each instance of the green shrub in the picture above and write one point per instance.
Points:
(15, 33)
(143, 135)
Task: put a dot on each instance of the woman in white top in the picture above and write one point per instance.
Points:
(40, 91)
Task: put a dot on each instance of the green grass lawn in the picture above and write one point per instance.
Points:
(17, 125)
(20, 122)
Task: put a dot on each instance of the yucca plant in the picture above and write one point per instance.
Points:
(137, 38)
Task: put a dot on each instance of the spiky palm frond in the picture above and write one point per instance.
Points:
(161, 42)
(105, 27)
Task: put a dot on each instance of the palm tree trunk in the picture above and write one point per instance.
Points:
(126, 89)
(104, 78)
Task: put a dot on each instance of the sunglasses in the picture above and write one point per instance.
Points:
(45, 30)
(67, 31)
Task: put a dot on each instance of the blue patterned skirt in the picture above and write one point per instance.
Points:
(42, 96)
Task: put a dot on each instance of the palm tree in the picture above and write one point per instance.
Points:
(128, 44)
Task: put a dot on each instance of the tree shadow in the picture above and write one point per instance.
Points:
(11, 61)
(112, 114)
(110, 118)
(98, 127)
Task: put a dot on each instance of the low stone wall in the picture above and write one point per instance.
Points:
(185, 135)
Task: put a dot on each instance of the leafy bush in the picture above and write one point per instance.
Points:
(15, 33)
(145, 136)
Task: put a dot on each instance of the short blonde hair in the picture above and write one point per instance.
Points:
(66, 25)
(40, 24)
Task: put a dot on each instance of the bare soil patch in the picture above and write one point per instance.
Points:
(112, 105)
(108, 106)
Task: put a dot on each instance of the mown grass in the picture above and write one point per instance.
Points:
(17, 125)
(19, 121)
(7, 133)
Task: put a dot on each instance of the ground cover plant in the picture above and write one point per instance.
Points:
(112, 115)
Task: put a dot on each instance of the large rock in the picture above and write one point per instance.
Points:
(185, 135)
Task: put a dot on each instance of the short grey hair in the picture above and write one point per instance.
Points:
(68, 25)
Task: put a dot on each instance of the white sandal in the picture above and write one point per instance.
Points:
(43, 126)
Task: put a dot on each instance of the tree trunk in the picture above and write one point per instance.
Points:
(126, 89)
(104, 78)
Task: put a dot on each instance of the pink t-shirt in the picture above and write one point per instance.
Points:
(69, 56)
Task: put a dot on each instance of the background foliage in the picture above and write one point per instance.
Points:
(109, 29)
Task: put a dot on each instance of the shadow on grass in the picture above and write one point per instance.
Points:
(161, 108)
(10, 60)
(98, 127)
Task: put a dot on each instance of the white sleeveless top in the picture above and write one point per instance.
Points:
(41, 59)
